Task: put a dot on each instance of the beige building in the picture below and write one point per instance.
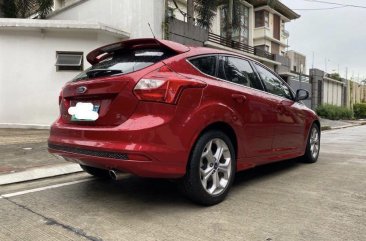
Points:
(270, 33)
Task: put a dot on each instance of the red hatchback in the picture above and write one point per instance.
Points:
(156, 108)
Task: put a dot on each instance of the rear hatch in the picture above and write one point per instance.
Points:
(106, 88)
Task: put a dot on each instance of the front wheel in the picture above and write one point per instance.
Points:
(211, 169)
(313, 145)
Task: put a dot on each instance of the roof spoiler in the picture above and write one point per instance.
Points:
(101, 53)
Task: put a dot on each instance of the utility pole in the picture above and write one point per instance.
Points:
(325, 63)
(190, 12)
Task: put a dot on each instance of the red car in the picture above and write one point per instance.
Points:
(156, 108)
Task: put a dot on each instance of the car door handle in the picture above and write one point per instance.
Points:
(239, 98)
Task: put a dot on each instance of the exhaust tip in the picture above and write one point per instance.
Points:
(113, 174)
(116, 175)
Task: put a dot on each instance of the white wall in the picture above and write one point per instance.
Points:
(131, 16)
(29, 83)
(332, 92)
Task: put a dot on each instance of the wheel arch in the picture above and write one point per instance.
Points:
(225, 128)
(220, 126)
(317, 122)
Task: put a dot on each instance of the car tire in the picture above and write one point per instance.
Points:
(97, 172)
(313, 145)
(210, 174)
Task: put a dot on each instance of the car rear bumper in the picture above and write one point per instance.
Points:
(145, 145)
(146, 168)
(157, 163)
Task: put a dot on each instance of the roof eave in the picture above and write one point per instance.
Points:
(278, 6)
(62, 25)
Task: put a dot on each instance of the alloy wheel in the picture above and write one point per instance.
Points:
(215, 166)
(314, 142)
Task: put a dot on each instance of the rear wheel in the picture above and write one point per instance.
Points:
(211, 169)
(313, 145)
(97, 172)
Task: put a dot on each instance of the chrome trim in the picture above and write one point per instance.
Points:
(81, 89)
(226, 81)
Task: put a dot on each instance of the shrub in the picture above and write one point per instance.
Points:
(334, 112)
(360, 110)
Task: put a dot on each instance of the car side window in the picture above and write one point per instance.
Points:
(238, 71)
(205, 64)
(273, 84)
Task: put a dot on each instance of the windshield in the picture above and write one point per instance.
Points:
(124, 62)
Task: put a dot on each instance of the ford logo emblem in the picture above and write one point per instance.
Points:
(81, 90)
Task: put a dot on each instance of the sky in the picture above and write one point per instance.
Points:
(335, 37)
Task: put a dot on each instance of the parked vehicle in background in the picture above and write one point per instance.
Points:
(155, 108)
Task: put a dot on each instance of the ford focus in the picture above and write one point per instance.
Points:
(156, 108)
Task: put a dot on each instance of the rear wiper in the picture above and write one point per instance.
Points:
(99, 72)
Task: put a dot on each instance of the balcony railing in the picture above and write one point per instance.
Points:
(217, 39)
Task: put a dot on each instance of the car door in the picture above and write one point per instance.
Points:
(289, 130)
(246, 90)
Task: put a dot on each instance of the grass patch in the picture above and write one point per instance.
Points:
(359, 110)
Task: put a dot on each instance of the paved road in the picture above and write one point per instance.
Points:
(285, 201)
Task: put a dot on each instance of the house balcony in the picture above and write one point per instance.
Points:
(182, 32)
(265, 33)
(246, 49)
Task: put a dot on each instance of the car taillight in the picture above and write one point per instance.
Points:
(164, 85)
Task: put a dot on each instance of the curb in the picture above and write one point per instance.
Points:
(329, 128)
(38, 173)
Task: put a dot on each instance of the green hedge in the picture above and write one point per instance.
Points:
(359, 110)
(334, 112)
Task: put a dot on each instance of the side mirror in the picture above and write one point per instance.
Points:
(301, 94)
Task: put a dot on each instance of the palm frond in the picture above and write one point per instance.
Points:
(44, 7)
(205, 12)
(24, 7)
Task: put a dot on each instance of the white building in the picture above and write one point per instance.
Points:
(297, 61)
(30, 82)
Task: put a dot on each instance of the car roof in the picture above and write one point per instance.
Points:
(194, 51)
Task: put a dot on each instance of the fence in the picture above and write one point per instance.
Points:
(357, 93)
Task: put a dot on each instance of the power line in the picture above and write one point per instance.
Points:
(338, 4)
(316, 9)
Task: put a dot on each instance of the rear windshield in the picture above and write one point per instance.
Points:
(124, 62)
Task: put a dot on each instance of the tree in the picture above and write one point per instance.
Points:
(25, 8)
(206, 12)
(9, 9)
(44, 7)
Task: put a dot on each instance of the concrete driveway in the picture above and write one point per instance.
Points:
(284, 201)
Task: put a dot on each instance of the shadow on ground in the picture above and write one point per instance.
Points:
(162, 192)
